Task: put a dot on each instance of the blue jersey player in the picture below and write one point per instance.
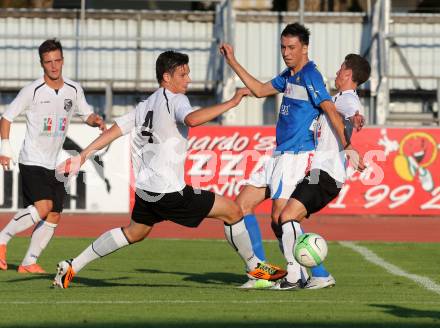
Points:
(304, 97)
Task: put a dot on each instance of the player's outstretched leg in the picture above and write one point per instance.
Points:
(296, 275)
(107, 243)
(257, 245)
(248, 199)
(21, 221)
(238, 237)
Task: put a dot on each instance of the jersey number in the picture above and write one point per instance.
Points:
(148, 126)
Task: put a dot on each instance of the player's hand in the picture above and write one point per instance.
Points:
(239, 94)
(228, 52)
(5, 162)
(355, 158)
(70, 166)
(6, 155)
(358, 121)
(99, 122)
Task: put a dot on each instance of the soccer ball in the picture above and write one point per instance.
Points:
(310, 249)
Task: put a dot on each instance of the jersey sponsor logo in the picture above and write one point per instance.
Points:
(68, 103)
(297, 92)
(62, 122)
(284, 110)
(47, 124)
(318, 130)
(45, 102)
(53, 127)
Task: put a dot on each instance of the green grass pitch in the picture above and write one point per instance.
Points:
(193, 283)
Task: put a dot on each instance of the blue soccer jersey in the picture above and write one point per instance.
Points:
(303, 92)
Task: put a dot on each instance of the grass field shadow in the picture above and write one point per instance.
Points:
(32, 277)
(405, 312)
(212, 278)
(116, 282)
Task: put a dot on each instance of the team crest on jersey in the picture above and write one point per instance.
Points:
(68, 104)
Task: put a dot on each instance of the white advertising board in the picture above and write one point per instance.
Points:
(102, 185)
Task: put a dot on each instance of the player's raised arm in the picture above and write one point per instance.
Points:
(207, 114)
(258, 88)
(95, 120)
(73, 164)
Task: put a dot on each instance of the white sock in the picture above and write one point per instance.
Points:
(41, 236)
(291, 231)
(238, 237)
(21, 221)
(107, 243)
(304, 273)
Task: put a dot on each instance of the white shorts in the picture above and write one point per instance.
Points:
(281, 173)
(260, 177)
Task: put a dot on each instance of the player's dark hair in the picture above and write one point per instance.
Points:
(359, 66)
(48, 46)
(298, 30)
(168, 61)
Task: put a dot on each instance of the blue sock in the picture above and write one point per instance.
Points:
(319, 270)
(252, 227)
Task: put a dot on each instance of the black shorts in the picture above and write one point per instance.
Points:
(39, 183)
(187, 207)
(316, 190)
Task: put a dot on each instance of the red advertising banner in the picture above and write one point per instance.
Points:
(400, 178)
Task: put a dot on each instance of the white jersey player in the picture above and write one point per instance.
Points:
(48, 105)
(329, 156)
(158, 163)
(159, 145)
(48, 112)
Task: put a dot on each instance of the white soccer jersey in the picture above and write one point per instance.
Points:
(48, 113)
(330, 155)
(159, 141)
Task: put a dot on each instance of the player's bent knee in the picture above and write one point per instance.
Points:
(136, 232)
(294, 210)
(246, 207)
(53, 217)
(234, 215)
(134, 237)
(44, 208)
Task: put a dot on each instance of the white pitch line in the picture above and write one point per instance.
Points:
(372, 257)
